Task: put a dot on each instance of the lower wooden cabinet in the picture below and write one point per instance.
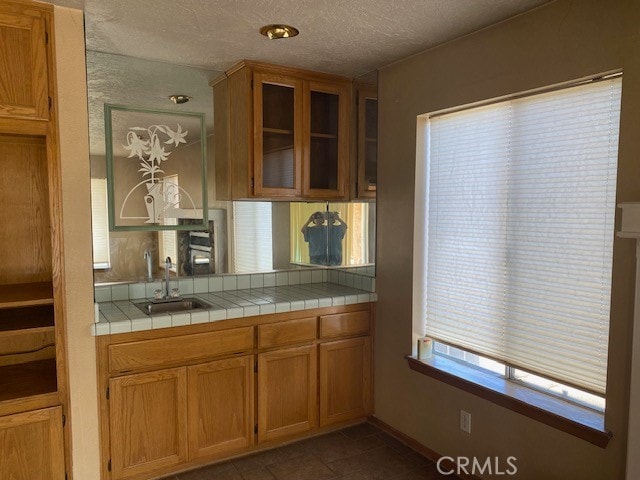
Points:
(31, 445)
(148, 421)
(345, 380)
(237, 388)
(220, 397)
(163, 418)
(287, 392)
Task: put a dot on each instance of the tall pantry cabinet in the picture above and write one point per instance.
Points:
(33, 387)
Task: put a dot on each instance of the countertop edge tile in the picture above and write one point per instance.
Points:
(123, 316)
(141, 324)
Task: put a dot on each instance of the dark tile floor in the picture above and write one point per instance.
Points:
(362, 452)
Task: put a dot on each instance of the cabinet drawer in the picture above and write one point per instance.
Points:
(287, 333)
(341, 324)
(179, 350)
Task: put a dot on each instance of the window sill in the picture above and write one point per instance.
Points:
(575, 420)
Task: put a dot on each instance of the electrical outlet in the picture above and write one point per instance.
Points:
(465, 421)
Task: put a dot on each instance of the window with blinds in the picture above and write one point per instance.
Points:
(520, 200)
(100, 223)
(252, 238)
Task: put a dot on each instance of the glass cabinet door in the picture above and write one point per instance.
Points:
(277, 135)
(326, 152)
(367, 141)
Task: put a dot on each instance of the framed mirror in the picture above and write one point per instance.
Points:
(156, 169)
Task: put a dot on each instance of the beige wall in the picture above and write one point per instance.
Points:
(280, 227)
(76, 211)
(559, 42)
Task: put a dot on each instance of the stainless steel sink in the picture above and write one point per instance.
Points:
(183, 305)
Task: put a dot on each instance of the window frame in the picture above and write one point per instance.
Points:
(543, 406)
(509, 374)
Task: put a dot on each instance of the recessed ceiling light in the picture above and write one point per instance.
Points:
(178, 99)
(279, 31)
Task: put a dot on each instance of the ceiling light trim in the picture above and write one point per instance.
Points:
(179, 99)
(276, 31)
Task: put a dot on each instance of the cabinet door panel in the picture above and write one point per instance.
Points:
(345, 380)
(148, 421)
(26, 244)
(326, 151)
(220, 407)
(287, 389)
(23, 63)
(31, 446)
(367, 142)
(277, 135)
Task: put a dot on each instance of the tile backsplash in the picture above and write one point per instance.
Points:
(359, 278)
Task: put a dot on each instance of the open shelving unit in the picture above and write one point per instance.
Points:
(31, 373)
(27, 306)
(34, 419)
(27, 310)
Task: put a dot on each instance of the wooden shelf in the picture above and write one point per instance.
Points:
(277, 130)
(26, 294)
(27, 345)
(27, 379)
(324, 135)
(279, 149)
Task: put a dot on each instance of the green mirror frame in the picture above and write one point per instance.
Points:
(151, 137)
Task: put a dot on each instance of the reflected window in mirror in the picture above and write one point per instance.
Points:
(100, 223)
(253, 237)
(331, 234)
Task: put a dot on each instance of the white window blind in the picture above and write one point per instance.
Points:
(520, 225)
(100, 223)
(168, 239)
(252, 239)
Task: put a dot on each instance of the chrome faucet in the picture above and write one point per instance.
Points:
(149, 259)
(167, 271)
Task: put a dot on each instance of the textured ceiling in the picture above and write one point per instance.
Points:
(344, 37)
(121, 80)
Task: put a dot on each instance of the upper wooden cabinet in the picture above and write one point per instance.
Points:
(24, 89)
(367, 101)
(281, 133)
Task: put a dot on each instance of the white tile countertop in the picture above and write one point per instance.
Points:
(121, 316)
